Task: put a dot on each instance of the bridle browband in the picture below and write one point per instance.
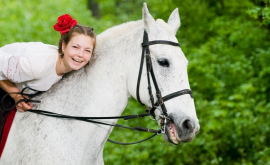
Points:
(160, 100)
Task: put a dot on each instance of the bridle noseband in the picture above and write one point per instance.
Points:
(160, 100)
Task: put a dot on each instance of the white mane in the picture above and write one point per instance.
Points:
(117, 31)
(124, 28)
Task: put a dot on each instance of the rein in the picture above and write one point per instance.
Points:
(85, 119)
(150, 110)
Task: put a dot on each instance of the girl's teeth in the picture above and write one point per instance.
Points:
(76, 60)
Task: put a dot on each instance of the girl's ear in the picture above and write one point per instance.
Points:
(63, 47)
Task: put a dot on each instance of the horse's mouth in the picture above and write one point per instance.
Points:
(172, 133)
(174, 136)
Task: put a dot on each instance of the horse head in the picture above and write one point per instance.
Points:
(170, 67)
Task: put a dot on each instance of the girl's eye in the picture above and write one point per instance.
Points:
(75, 47)
(88, 51)
(164, 62)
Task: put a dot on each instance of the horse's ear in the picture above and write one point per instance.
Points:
(148, 20)
(174, 21)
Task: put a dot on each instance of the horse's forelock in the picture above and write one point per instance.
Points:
(161, 23)
(127, 27)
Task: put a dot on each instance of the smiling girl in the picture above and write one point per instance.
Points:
(39, 66)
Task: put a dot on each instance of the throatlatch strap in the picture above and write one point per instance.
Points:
(139, 78)
(145, 39)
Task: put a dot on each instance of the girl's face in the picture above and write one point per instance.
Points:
(77, 52)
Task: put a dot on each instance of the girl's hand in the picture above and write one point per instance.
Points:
(10, 87)
(22, 106)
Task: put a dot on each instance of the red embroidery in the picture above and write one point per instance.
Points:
(12, 67)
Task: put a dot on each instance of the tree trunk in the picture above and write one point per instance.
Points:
(93, 6)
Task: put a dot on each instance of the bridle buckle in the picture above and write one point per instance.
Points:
(164, 120)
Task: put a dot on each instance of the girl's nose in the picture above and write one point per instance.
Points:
(80, 53)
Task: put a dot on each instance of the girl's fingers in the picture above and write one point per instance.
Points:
(30, 104)
(19, 108)
(26, 106)
(22, 107)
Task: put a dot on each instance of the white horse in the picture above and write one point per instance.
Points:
(103, 89)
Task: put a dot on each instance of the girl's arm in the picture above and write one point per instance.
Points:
(9, 87)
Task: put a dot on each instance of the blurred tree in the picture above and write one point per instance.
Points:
(94, 7)
(229, 72)
(261, 12)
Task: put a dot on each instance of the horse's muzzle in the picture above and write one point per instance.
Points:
(181, 129)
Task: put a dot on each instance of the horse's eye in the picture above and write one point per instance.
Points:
(164, 62)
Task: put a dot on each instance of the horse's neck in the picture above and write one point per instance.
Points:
(109, 73)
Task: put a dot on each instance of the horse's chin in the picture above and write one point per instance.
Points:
(172, 135)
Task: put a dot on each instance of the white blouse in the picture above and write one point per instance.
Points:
(29, 64)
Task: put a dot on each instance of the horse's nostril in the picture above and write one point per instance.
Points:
(187, 125)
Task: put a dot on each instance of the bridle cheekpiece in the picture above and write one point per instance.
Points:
(160, 100)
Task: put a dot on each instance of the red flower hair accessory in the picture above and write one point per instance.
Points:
(64, 23)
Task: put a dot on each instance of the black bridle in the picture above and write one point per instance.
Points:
(150, 110)
(160, 100)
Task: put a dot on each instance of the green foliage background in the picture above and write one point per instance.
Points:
(228, 48)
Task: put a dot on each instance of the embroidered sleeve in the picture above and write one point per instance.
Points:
(13, 69)
(22, 62)
(23, 68)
